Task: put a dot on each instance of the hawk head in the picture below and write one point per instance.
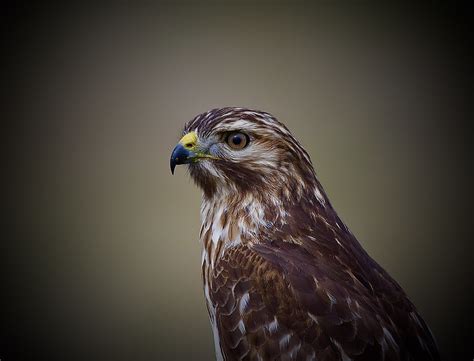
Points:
(240, 150)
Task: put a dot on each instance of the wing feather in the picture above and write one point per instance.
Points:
(281, 301)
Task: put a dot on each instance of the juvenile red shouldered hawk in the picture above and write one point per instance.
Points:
(284, 278)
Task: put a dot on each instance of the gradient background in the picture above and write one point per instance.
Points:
(100, 252)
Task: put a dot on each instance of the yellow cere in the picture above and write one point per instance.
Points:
(189, 141)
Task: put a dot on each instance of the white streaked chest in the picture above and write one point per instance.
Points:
(226, 223)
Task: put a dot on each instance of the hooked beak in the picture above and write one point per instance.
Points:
(181, 155)
(185, 151)
(188, 151)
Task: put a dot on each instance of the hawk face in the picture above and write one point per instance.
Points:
(240, 150)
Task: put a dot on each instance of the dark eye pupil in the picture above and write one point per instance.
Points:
(236, 139)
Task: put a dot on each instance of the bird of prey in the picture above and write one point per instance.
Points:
(284, 278)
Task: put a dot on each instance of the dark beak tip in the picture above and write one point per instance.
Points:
(180, 155)
(172, 165)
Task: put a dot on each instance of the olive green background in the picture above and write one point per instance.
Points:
(101, 242)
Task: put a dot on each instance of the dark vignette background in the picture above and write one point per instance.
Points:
(99, 245)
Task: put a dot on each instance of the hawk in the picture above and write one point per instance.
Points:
(284, 278)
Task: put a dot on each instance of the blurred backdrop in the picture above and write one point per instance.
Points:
(100, 246)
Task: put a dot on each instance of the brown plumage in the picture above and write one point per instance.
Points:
(284, 278)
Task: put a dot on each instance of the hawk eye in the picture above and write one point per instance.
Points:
(237, 140)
